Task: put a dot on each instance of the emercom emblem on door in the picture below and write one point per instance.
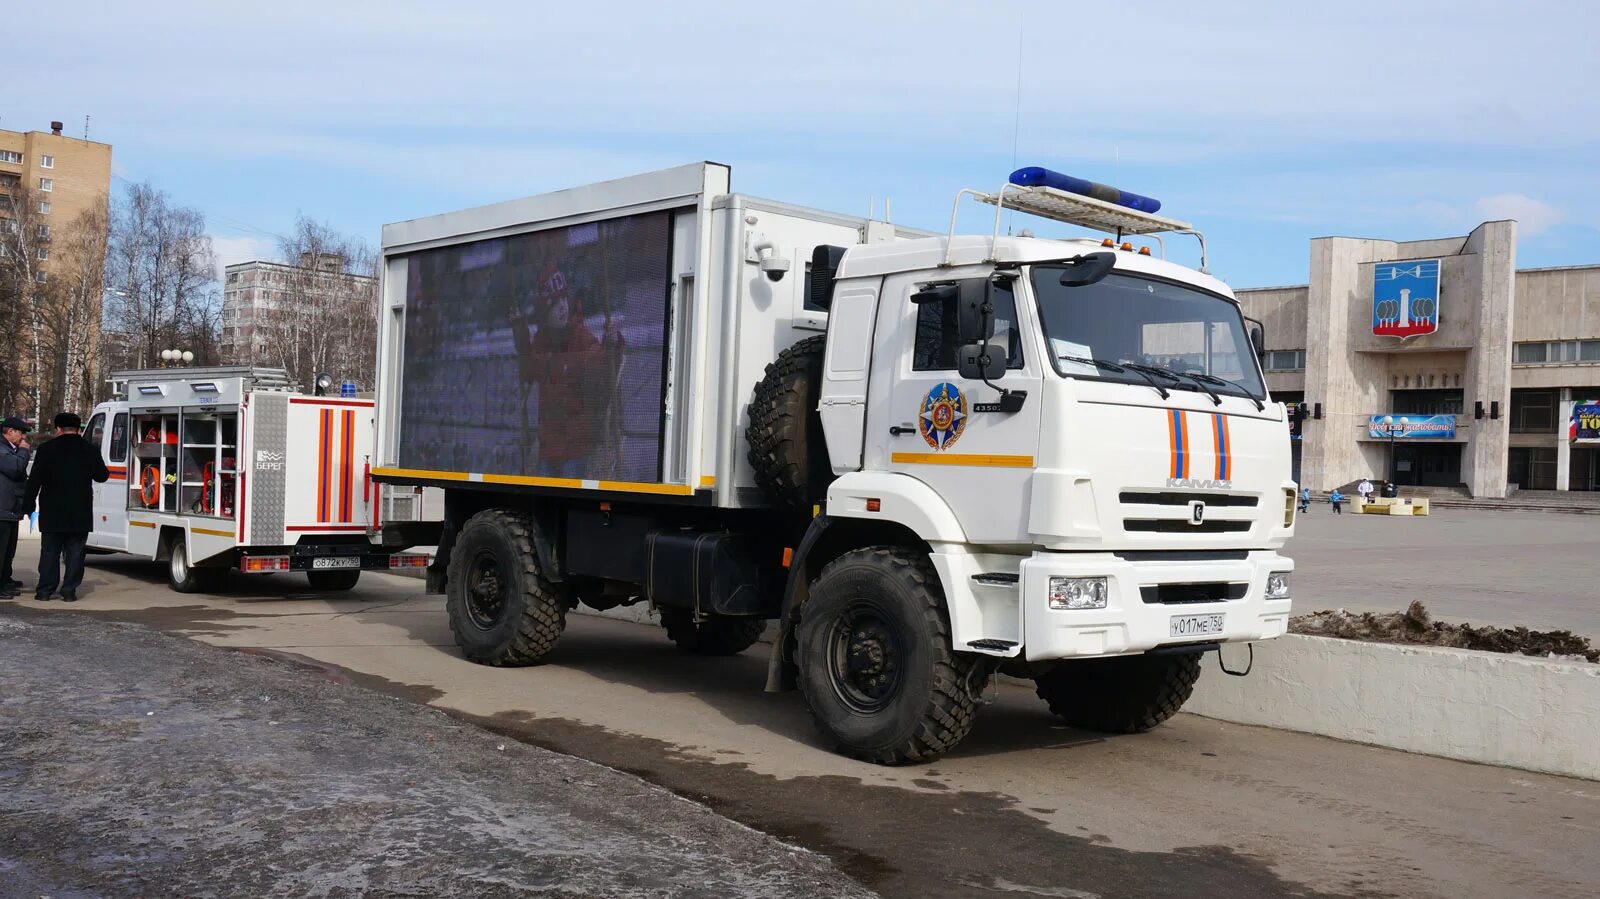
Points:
(1197, 512)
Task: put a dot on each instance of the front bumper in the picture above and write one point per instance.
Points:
(1133, 622)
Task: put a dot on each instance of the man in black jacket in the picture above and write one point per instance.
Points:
(14, 453)
(62, 472)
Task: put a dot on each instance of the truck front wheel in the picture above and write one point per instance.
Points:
(876, 667)
(502, 609)
(714, 636)
(1120, 694)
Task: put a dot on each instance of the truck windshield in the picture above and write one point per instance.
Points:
(1095, 330)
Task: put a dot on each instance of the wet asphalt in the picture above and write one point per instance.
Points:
(138, 764)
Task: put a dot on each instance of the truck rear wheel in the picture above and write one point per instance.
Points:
(343, 579)
(787, 447)
(1121, 694)
(876, 667)
(714, 636)
(502, 609)
(183, 577)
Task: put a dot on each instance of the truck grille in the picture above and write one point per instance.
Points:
(1178, 594)
(1182, 526)
(1179, 498)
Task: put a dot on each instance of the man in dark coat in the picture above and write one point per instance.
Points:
(14, 454)
(62, 472)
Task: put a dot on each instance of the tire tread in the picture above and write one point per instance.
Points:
(949, 715)
(543, 611)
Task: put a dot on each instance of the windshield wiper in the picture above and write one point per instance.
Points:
(1112, 366)
(1178, 376)
(1224, 382)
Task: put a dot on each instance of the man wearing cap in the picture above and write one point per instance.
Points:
(14, 454)
(61, 483)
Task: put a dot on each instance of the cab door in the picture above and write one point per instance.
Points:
(108, 431)
(927, 421)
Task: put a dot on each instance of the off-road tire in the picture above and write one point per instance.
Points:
(531, 611)
(715, 636)
(931, 707)
(330, 581)
(1121, 694)
(787, 447)
(183, 577)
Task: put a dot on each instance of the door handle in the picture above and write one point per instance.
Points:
(897, 430)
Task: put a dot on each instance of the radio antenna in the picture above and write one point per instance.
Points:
(1016, 123)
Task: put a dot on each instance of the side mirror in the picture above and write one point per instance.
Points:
(1081, 271)
(1258, 337)
(974, 310)
(980, 362)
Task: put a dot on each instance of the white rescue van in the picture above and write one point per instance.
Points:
(233, 468)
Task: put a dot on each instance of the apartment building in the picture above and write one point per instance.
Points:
(66, 176)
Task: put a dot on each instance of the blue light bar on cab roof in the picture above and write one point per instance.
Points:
(1034, 176)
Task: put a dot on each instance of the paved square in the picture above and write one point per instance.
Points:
(1482, 567)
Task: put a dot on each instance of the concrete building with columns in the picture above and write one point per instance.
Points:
(1479, 392)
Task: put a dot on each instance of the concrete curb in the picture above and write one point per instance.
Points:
(1485, 707)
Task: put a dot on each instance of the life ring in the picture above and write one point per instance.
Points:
(150, 487)
(205, 488)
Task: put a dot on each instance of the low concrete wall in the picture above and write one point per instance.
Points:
(1483, 707)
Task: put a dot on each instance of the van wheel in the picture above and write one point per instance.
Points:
(184, 577)
(715, 636)
(1120, 694)
(343, 579)
(876, 667)
(787, 447)
(502, 609)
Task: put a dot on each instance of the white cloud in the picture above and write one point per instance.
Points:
(231, 250)
(1533, 216)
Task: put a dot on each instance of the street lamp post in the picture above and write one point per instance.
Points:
(1394, 429)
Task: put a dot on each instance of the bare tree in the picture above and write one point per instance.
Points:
(79, 286)
(161, 275)
(324, 317)
(25, 241)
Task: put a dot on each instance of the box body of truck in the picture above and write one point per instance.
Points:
(638, 389)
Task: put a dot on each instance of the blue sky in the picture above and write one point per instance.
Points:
(1265, 124)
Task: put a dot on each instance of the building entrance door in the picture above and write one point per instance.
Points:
(1423, 465)
(1585, 471)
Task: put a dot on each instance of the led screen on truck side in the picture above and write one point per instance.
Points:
(540, 354)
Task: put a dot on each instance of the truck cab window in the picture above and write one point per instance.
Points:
(96, 430)
(119, 438)
(936, 340)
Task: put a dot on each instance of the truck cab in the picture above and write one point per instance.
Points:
(1115, 479)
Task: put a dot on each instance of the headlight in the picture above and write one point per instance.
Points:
(1278, 585)
(1067, 593)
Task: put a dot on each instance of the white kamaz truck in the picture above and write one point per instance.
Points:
(930, 458)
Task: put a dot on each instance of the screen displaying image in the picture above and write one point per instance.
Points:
(540, 354)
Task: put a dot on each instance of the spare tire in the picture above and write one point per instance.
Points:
(787, 448)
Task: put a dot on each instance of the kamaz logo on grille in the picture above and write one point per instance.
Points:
(1199, 483)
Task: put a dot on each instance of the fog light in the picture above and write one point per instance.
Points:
(1069, 593)
(1278, 585)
